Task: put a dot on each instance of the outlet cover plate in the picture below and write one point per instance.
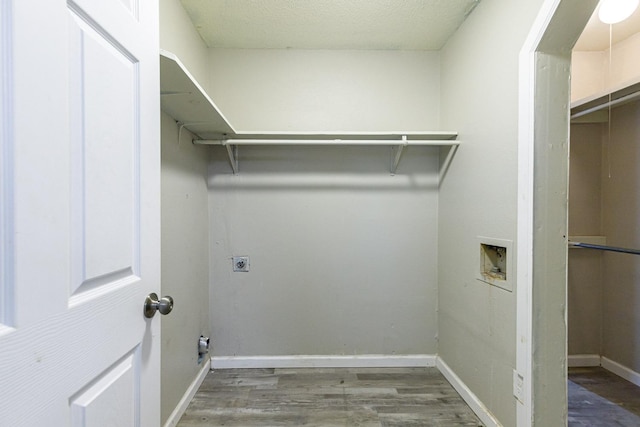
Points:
(240, 263)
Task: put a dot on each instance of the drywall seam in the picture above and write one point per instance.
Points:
(188, 395)
(360, 361)
(469, 397)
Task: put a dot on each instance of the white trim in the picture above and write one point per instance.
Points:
(361, 361)
(524, 241)
(528, 112)
(465, 392)
(583, 360)
(621, 371)
(7, 142)
(188, 395)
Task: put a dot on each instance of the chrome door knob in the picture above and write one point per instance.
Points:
(152, 304)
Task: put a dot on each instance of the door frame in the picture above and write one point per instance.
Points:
(542, 235)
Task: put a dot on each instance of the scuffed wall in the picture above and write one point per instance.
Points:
(478, 197)
(185, 260)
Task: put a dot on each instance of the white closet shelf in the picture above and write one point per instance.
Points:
(184, 99)
(593, 109)
(343, 138)
(438, 139)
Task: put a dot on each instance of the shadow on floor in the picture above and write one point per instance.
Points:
(598, 397)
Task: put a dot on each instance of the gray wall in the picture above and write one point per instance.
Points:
(327, 90)
(605, 194)
(620, 213)
(343, 255)
(478, 197)
(178, 36)
(185, 246)
(185, 260)
(585, 266)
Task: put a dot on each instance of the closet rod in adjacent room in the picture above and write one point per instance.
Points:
(604, 248)
(622, 100)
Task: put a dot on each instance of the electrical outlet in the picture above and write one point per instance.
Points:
(241, 263)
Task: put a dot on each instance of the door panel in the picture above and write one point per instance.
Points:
(131, 6)
(80, 170)
(105, 146)
(93, 406)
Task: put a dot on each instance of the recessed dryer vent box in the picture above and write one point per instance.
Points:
(496, 260)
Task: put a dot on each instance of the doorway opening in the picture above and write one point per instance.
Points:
(604, 231)
(543, 151)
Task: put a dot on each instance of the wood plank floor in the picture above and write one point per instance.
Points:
(380, 397)
(599, 398)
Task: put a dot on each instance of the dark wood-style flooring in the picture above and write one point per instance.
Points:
(599, 398)
(380, 397)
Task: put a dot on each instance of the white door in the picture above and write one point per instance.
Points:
(79, 212)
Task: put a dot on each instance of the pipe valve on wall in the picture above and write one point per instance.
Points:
(203, 347)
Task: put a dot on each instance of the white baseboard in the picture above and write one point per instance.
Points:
(362, 361)
(583, 360)
(588, 360)
(472, 400)
(621, 371)
(188, 395)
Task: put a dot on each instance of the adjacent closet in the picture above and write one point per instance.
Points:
(604, 261)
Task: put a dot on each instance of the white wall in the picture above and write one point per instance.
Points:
(322, 90)
(185, 260)
(587, 74)
(595, 73)
(178, 36)
(478, 197)
(343, 255)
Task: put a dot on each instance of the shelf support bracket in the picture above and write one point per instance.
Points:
(232, 152)
(400, 148)
(444, 167)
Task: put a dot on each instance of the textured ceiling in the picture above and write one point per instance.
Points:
(327, 24)
(596, 34)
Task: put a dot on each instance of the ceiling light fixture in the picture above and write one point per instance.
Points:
(614, 11)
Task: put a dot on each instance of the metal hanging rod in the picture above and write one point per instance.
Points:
(622, 100)
(604, 248)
